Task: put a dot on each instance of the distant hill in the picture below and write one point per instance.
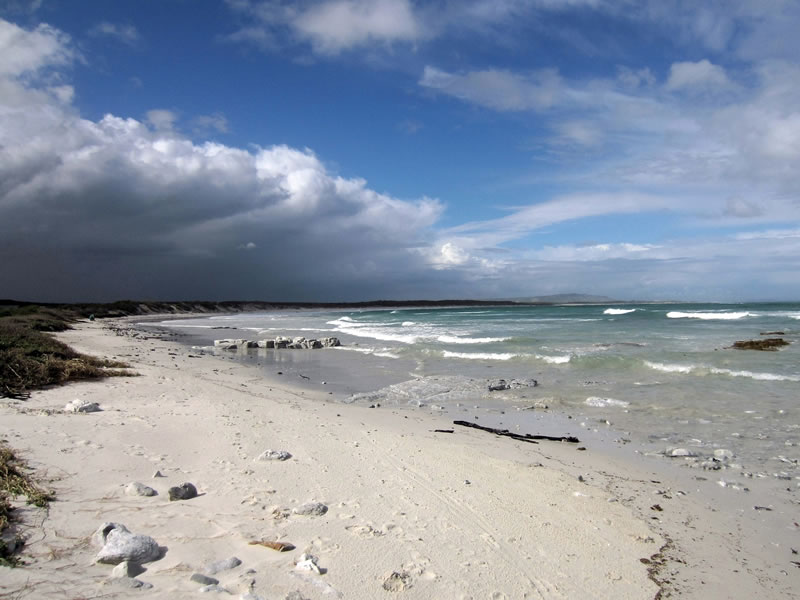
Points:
(567, 299)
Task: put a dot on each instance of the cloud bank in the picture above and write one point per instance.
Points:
(125, 208)
(119, 207)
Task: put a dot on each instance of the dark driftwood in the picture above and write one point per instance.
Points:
(526, 437)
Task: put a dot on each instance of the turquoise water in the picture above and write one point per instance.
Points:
(661, 373)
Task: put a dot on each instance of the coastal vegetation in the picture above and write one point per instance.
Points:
(16, 480)
(31, 358)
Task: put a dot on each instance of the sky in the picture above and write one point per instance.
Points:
(340, 150)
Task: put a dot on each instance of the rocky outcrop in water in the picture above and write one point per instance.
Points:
(279, 343)
(769, 344)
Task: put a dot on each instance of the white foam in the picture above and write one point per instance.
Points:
(480, 355)
(408, 323)
(554, 360)
(756, 376)
(723, 316)
(604, 402)
(703, 370)
(670, 368)
(449, 339)
(618, 311)
(370, 330)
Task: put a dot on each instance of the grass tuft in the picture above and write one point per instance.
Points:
(16, 481)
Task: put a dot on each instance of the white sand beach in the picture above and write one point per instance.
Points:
(411, 513)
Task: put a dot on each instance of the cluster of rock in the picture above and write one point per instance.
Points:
(280, 342)
(129, 551)
(499, 385)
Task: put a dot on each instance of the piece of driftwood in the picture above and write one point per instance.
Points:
(279, 546)
(444, 431)
(521, 437)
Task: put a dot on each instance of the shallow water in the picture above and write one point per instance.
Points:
(662, 375)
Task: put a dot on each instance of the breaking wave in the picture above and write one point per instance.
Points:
(708, 316)
(703, 370)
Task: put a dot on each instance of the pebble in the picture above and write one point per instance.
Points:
(274, 455)
(184, 491)
(681, 452)
(204, 579)
(213, 588)
(222, 565)
(126, 568)
(81, 406)
(316, 509)
(308, 562)
(132, 583)
(138, 489)
(158, 474)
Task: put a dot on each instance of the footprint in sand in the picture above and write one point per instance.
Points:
(366, 531)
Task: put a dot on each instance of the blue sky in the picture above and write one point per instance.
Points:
(349, 150)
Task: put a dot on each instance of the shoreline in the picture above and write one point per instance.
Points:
(541, 521)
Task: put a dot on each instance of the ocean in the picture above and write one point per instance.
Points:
(662, 376)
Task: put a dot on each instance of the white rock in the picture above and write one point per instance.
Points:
(316, 509)
(81, 406)
(681, 452)
(307, 562)
(126, 569)
(120, 545)
(139, 489)
(723, 454)
(274, 455)
(222, 565)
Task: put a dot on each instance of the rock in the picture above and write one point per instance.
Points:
(158, 474)
(680, 452)
(274, 455)
(769, 344)
(308, 562)
(298, 340)
(522, 383)
(280, 344)
(213, 588)
(314, 344)
(315, 509)
(266, 343)
(222, 565)
(251, 344)
(127, 568)
(295, 595)
(397, 582)
(81, 406)
(230, 344)
(498, 385)
(120, 545)
(131, 583)
(330, 342)
(184, 491)
(723, 454)
(138, 489)
(204, 579)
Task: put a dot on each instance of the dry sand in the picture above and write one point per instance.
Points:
(462, 515)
